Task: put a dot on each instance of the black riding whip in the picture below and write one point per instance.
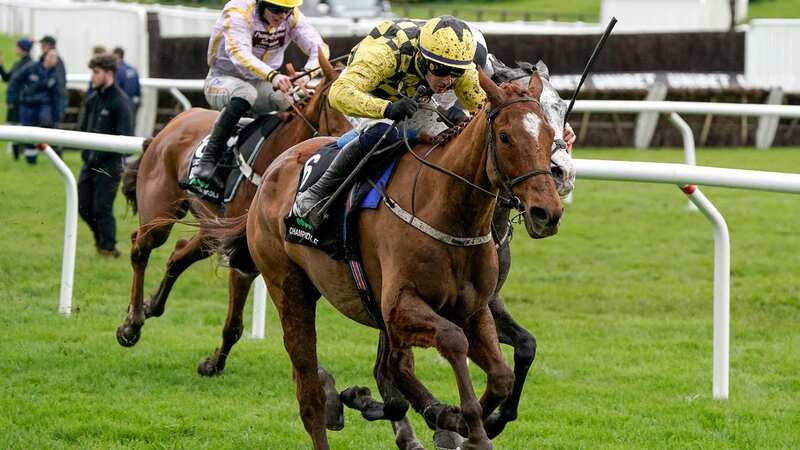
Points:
(589, 64)
(306, 72)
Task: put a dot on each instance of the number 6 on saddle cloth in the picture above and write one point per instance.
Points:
(332, 237)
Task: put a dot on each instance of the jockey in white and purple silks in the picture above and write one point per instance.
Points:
(245, 50)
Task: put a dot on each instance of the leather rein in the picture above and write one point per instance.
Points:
(510, 200)
(506, 182)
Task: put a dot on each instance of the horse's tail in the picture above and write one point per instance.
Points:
(228, 237)
(129, 177)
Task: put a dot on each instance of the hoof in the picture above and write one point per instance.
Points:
(334, 415)
(353, 396)
(208, 368)
(494, 425)
(446, 417)
(127, 336)
(395, 409)
(151, 311)
(447, 440)
(480, 445)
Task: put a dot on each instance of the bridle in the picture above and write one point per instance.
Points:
(509, 200)
(507, 183)
(323, 111)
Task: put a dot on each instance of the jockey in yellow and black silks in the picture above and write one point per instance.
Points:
(376, 91)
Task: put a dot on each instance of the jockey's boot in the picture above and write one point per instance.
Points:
(218, 142)
(307, 204)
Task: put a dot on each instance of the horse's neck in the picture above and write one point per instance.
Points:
(466, 155)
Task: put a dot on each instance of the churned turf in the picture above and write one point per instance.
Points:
(619, 300)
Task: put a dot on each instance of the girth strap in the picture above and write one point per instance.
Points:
(440, 236)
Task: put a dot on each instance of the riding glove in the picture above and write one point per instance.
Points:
(455, 115)
(399, 110)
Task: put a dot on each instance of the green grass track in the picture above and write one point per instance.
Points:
(620, 302)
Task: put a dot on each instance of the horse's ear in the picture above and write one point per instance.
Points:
(493, 91)
(543, 70)
(535, 86)
(290, 70)
(327, 68)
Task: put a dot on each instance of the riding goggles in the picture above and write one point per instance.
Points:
(441, 70)
(277, 9)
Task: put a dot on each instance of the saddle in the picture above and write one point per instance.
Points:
(338, 235)
(236, 163)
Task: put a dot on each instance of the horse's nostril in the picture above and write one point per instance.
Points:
(539, 214)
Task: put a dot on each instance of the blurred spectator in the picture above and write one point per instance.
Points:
(108, 111)
(96, 50)
(23, 50)
(48, 43)
(38, 97)
(128, 80)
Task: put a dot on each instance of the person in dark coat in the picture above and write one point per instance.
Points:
(48, 43)
(23, 50)
(107, 111)
(38, 97)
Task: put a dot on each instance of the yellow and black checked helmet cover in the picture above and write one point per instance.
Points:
(447, 40)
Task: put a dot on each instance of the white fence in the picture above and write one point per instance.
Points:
(685, 176)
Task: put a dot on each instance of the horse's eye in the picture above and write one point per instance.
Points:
(504, 138)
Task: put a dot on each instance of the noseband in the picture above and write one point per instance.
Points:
(506, 182)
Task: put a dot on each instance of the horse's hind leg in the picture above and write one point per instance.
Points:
(143, 241)
(185, 254)
(238, 289)
(295, 301)
(511, 333)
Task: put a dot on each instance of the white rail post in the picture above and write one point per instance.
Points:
(688, 144)
(70, 230)
(259, 308)
(185, 103)
(722, 302)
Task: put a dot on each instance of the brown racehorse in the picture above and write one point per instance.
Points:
(151, 186)
(506, 149)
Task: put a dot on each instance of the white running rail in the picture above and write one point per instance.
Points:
(682, 175)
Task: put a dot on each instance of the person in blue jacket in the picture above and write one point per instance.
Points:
(46, 44)
(39, 95)
(23, 50)
(128, 80)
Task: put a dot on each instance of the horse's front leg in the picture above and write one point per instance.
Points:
(238, 289)
(511, 333)
(412, 322)
(143, 241)
(483, 349)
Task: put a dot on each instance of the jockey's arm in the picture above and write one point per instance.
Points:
(239, 46)
(308, 40)
(350, 93)
(469, 91)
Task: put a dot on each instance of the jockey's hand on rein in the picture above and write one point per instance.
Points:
(282, 82)
(454, 115)
(399, 110)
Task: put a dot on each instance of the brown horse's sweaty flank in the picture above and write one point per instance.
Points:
(505, 148)
(151, 187)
